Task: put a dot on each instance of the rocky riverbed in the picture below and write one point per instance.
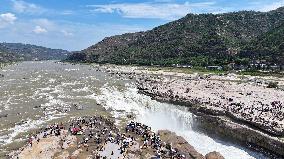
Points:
(256, 104)
(240, 108)
(251, 104)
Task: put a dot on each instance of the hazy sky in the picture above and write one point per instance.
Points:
(77, 24)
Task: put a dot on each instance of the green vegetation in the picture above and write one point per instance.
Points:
(78, 57)
(7, 57)
(199, 40)
(200, 70)
(268, 47)
(25, 52)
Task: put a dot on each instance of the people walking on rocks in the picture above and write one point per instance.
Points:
(99, 136)
(31, 141)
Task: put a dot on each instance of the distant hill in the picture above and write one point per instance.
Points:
(27, 52)
(8, 57)
(199, 40)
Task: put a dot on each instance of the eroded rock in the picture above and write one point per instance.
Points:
(181, 144)
(214, 155)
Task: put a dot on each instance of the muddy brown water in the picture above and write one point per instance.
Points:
(35, 94)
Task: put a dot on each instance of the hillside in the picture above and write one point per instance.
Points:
(8, 57)
(27, 52)
(199, 40)
(269, 46)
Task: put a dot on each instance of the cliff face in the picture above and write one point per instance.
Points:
(234, 116)
(204, 39)
(28, 52)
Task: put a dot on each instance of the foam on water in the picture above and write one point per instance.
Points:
(21, 128)
(50, 113)
(85, 89)
(7, 104)
(113, 99)
(54, 103)
(166, 116)
(91, 96)
(75, 69)
(71, 83)
(27, 125)
(52, 80)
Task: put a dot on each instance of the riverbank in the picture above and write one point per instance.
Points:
(135, 71)
(255, 104)
(99, 137)
(239, 108)
(249, 113)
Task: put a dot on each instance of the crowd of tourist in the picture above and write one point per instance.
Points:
(153, 140)
(94, 133)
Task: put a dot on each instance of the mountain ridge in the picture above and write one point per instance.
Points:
(29, 52)
(196, 39)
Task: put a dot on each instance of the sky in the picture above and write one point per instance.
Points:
(77, 24)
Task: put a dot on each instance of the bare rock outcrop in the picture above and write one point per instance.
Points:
(245, 112)
(214, 155)
(184, 147)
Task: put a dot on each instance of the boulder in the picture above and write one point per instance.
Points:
(180, 143)
(3, 115)
(214, 155)
(37, 106)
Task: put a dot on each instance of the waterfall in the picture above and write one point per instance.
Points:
(162, 116)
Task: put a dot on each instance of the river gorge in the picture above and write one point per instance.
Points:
(35, 94)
